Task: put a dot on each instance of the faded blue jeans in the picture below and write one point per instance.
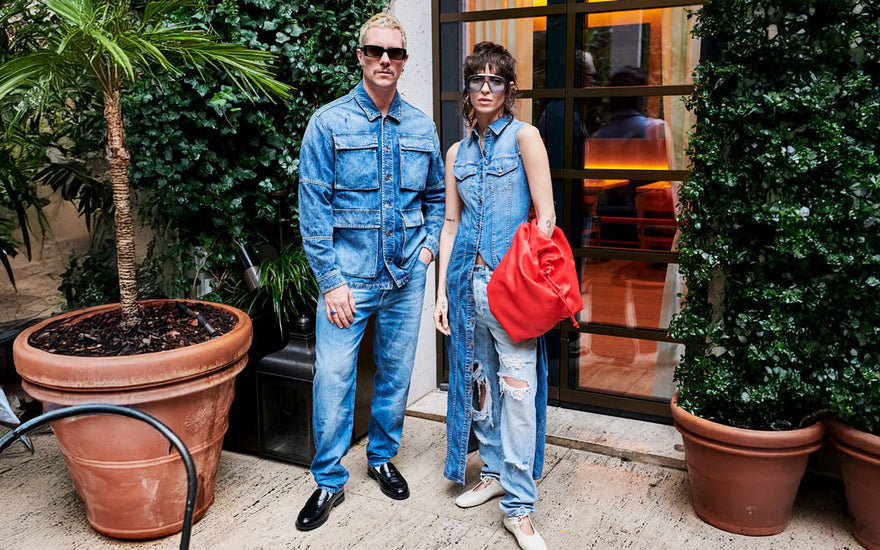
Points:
(505, 422)
(398, 313)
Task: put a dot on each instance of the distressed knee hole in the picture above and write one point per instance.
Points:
(514, 387)
(482, 405)
(512, 375)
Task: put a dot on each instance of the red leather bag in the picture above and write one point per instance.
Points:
(535, 285)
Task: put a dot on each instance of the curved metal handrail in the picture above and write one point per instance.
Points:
(104, 408)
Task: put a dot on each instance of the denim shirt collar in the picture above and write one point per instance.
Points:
(370, 110)
(496, 127)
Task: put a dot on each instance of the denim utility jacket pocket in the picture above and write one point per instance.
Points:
(415, 160)
(356, 167)
(356, 240)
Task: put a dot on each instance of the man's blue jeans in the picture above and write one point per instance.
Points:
(398, 313)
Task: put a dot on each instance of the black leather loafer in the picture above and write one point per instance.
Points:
(317, 509)
(390, 481)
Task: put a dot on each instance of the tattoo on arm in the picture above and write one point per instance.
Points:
(451, 219)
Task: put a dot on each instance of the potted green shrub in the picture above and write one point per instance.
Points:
(854, 426)
(778, 244)
(63, 48)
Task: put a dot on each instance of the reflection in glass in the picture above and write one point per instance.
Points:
(656, 40)
(635, 295)
(482, 5)
(624, 366)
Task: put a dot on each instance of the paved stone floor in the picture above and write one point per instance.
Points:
(587, 500)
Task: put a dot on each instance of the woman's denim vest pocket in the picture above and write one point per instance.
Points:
(356, 241)
(466, 180)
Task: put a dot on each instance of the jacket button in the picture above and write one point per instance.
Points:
(389, 233)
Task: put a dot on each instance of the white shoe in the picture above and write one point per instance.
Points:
(491, 488)
(526, 542)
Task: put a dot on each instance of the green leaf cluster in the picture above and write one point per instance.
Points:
(780, 245)
(214, 169)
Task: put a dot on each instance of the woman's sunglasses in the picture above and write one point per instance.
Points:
(394, 54)
(475, 83)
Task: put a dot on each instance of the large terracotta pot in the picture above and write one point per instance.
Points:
(744, 481)
(132, 485)
(859, 454)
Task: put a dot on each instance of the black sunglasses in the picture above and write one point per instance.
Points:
(475, 83)
(394, 54)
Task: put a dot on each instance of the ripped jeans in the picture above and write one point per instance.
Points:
(504, 417)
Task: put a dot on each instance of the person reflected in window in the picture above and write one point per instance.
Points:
(628, 121)
(497, 386)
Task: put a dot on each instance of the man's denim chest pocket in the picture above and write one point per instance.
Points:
(356, 204)
(415, 161)
(357, 167)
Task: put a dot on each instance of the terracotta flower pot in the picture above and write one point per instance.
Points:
(744, 481)
(860, 470)
(132, 485)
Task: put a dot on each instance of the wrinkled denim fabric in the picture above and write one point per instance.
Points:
(370, 192)
(505, 422)
(496, 200)
(398, 313)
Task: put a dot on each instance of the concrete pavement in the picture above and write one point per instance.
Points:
(608, 484)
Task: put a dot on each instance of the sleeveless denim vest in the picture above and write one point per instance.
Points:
(495, 196)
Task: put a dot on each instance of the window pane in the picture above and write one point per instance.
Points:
(628, 293)
(657, 41)
(455, 6)
(636, 132)
(633, 295)
(623, 366)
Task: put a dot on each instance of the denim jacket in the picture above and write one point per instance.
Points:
(495, 196)
(371, 192)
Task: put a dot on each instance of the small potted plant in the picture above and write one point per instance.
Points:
(854, 430)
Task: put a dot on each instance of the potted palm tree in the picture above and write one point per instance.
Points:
(778, 246)
(69, 48)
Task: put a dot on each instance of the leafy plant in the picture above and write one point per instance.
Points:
(82, 47)
(216, 170)
(780, 245)
(287, 287)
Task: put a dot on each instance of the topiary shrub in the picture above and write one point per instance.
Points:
(780, 239)
(215, 170)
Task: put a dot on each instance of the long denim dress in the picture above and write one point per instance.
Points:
(496, 200)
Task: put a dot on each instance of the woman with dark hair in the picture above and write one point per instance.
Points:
(497, 386)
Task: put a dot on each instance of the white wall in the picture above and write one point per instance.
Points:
(416, 86)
